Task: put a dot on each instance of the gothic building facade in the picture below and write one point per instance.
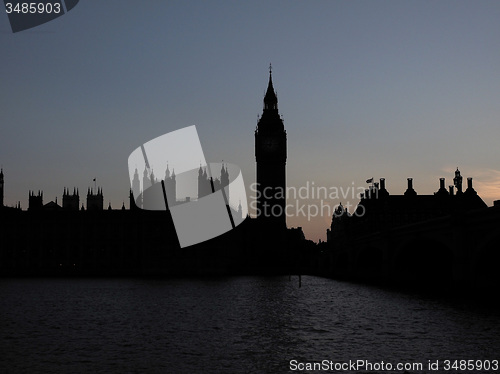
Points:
(95, 199)
(147, 196)
(151, 197)
(378, 210)
(71, 201)
(205, 182)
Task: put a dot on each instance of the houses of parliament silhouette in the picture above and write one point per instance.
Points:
(70, 238)
(448, 237)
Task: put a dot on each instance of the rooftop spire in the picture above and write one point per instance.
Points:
(270, 99)
(167, 172)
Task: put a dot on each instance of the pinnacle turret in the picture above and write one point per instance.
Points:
(270, 99)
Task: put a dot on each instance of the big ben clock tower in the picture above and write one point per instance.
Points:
(270, 154)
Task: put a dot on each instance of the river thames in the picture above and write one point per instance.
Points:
(233, 325)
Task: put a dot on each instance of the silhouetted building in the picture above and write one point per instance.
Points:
(151, 192)
(170, 187)
(152, 196)
(146, 180)
(457, 181)
(132, 200)
(240, 212)
(52, 205)
(71, 201)
(136, 189)
(271, 154)
(205, 184)
(378, 210)
(436, 242)
(204, 187)
(95, 201)
(35, 202)
(93, 241)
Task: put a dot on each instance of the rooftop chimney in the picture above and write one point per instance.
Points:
(382, 192)
(442, 189)
(410, 191)
(469, 182)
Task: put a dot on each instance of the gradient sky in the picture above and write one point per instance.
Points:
(390, 89)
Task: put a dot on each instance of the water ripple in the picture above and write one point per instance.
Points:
(227, 325)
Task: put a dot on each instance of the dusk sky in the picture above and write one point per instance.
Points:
(392, 89)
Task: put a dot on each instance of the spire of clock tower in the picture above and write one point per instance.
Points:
(270, 99)
(270, 121)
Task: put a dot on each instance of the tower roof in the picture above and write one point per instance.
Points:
(270, 99)
(270, 121)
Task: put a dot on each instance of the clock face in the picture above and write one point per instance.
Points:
(270, 144)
